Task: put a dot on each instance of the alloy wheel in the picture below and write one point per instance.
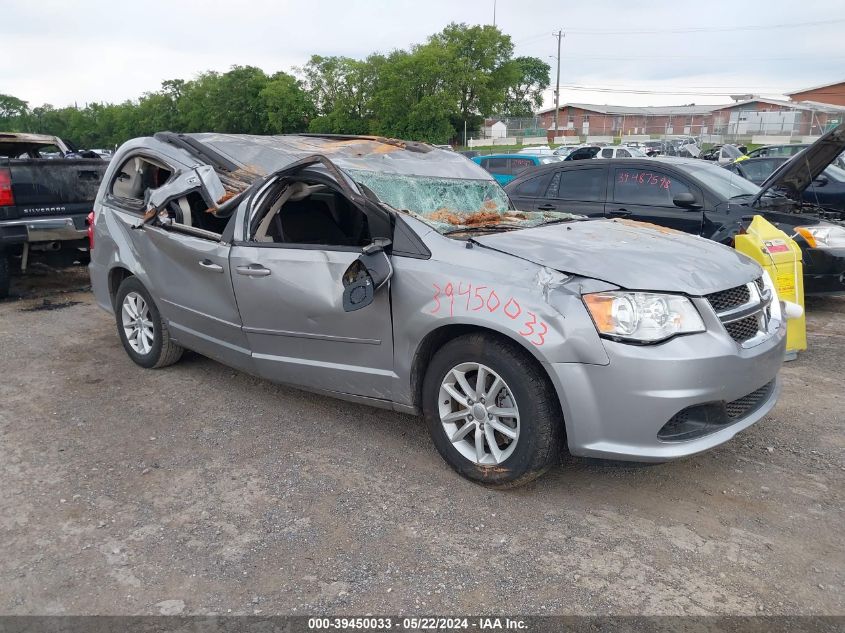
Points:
(137, 323)
(479, 414)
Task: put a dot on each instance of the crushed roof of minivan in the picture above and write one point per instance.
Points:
(265, 154)
(440, 187)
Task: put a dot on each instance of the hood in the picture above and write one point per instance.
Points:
(795, 175)
(633, 255)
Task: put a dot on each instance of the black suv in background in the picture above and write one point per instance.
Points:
(693, 196)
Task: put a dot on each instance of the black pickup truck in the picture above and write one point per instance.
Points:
(45, 199)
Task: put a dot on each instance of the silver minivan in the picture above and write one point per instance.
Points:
(399, 275)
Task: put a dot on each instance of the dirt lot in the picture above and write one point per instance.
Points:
(198, 489)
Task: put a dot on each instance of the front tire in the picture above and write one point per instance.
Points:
(142, 331)
(491, 411)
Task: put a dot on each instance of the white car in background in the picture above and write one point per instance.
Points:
(620, 152)
(538, 150)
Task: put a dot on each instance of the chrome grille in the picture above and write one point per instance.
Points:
(743, 310)
(744, 329)
(731, 298)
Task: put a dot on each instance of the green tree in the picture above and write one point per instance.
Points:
(476, 66)
(227, 102)
(325, 78)
(427, 92)
(286, 105)
(12, 111)
(341, 89)
(525, 96)
(411, 100)
(155, 112)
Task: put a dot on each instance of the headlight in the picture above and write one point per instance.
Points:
(823, 235)
(644, 317)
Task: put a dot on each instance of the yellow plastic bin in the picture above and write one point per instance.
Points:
(781, 257)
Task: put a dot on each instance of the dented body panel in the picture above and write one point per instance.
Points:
(624, 252)
(277, 308)
(296, 326)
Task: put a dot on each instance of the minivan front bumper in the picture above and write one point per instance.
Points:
(617, 410)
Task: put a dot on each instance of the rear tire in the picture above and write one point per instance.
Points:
(142, 331)
(509, 431)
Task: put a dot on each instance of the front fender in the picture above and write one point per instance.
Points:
(543, 314)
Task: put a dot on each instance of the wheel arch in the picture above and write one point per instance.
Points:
(116, 276)
(438, 337)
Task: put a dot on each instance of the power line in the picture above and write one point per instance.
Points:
(629, 86)
(576, 56)
(692, 29)
(685, 91)
(708, 29)
(531, 38)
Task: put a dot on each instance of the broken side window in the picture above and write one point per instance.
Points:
(136, 176)
(192, 211)
(310, 212)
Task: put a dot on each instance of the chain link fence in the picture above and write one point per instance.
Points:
(801, 124)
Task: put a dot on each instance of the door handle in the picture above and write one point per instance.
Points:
(619, 213)
(547, 207)
(254, 270)
(210, 265)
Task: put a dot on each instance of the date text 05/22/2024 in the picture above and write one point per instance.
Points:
(376, 623)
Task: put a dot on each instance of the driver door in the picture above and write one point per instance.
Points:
(290, 287)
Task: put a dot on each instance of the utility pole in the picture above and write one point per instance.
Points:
(559, 34)
(494, 12)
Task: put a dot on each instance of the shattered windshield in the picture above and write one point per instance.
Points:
(450, 204)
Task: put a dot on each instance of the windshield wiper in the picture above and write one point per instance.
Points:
(575, 218)
(482, 227)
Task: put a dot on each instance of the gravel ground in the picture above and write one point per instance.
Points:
(198, 489)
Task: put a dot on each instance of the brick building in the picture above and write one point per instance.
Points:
(748, 117)
(832, 94)
(582, 119)
(774, 117)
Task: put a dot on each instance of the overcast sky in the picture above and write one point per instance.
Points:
(58, 52)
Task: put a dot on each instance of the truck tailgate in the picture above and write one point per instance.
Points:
(47, 187)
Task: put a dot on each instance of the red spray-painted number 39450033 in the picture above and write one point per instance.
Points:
(485, 299)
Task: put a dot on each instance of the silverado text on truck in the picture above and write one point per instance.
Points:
(44, 202)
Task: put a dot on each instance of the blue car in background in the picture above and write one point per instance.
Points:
(506, 167)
